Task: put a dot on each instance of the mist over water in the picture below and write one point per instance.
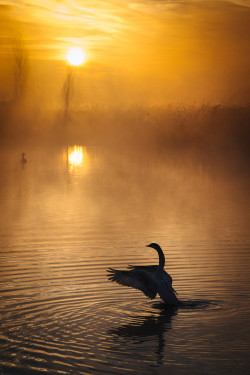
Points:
(94, 165)
(91, 196)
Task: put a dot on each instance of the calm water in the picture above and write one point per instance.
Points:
(70, 214)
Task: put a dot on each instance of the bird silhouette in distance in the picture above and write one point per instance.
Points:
(149, 279)
(23, 160)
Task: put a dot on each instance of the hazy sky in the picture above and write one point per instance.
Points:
(152, 51)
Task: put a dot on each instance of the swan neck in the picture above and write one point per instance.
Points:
(161, 258)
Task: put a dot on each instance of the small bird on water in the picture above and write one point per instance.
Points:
(149, 279)
(23, 160)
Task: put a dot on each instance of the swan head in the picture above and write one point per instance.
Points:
(154, 246)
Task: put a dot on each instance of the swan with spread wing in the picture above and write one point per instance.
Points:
(149, 279)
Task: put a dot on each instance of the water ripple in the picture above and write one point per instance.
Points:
(61, 315)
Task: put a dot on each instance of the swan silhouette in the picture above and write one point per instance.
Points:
(149, 279)
(23, 160)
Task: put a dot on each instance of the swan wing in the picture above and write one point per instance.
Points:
(149, 269)
(135, 278)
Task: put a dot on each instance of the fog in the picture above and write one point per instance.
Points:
(211, 135)
(147, 141)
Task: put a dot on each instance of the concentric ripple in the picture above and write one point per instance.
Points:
(62, 228)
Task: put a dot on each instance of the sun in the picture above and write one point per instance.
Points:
(76, 56)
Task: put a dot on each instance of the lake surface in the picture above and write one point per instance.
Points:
(70, 213)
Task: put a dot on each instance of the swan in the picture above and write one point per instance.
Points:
(23, 160)
(149, 279)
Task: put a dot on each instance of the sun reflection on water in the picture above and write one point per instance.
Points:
(77, 158)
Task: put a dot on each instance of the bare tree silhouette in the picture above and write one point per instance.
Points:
(67, 93)
(21, 70)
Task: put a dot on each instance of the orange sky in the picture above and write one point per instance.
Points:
(146, 51)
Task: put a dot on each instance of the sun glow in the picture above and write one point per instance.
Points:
(75, 155)
(77, 159)
(76, 56)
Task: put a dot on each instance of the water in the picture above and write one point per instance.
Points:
(69, 214)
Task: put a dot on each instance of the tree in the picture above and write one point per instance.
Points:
(21, 70)
(67, 93)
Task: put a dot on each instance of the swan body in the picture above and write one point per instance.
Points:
(149, 279)
(23, 160)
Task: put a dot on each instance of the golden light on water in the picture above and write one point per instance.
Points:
(75, 155)
(76, 56)
(77, 158)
